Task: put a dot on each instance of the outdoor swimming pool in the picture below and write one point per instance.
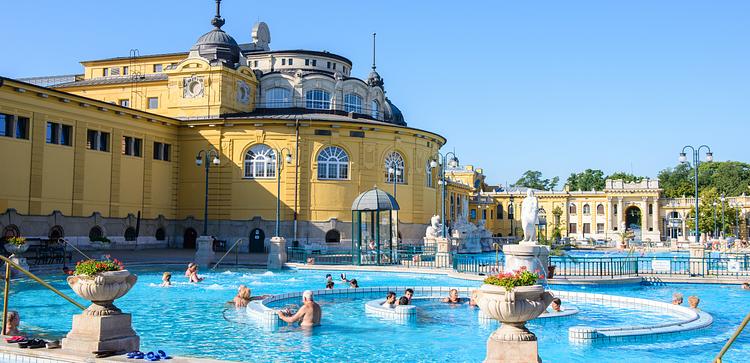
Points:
(191, 320)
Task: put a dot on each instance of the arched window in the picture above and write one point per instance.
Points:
(333, 236)
(428, 174)
(130, 234)
(96, 233)
(352, 103)
(500, 211)
(375, 109)
(394, 168)
(318, 99)
(11, 231)
(586, 209)
(55, 233)
(333, 164)
(161, 234)
(278, 97)
(260, 162)
(572, 209)
(600, 209)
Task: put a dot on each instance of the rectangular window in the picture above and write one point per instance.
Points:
(323, 132)
(161, 151)
(315, 62)
(97, 140)
(587, 228)
(105, 72)
(600, 228)
(650, 209)
(125, 103)
(132, 146)
(328, 65)
(157, 68)
(291, 61)
(256, 64)
(125, 70)
(357, 133)
(307, 62)
(5, 123)
(53, 133)
(484, 214)
(22, 127)
(572, 228)
(334, 66)
(492, 214)
(153, 103)
(473, 214)
(66, 135)
(283, 61)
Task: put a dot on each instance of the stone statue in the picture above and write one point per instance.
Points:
(435, 229)
(529, 215)
(465, 209)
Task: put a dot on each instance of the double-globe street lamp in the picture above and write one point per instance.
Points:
(696, 162)
(279, 168)
(214, 156)
(453, 163)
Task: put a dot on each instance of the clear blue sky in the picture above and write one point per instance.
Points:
(556, 86)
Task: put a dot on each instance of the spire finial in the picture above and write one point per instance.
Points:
(373, 51)
(217, 21)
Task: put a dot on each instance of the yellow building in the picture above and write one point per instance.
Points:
(121, 140)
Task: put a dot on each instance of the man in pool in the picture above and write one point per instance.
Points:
(694, 301)
(452, 297)
(745, 286)
(408, 294)
(677, 299)
(308, 315)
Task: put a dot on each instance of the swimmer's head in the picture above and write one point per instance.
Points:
(307, 295)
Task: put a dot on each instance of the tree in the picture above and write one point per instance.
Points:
(626, 177)
(533, 179)
(706, 209)
(557, 231)
(589, 179)
(729, 177)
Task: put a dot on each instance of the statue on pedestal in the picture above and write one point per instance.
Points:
(529, 216)
(435, 229)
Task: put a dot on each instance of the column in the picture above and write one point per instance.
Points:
(610, 217)
(655, 218)
(620, 215)
(644, 216)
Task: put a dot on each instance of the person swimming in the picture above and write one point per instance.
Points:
(166, 279)
(556, 305)
(452, 297)
(329, 285)
(308, 315)
(390, 300)
(192, 273)
(243, 297)
(403, 300)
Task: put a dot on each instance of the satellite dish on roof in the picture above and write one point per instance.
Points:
(261, 36)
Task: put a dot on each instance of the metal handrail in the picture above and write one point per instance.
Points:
(226, 253)
(67, 243)
(732, 339)
(6, 291)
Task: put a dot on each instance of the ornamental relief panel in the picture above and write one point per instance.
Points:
(193, 87)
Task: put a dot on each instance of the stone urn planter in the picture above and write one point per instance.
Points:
(512, 341)
(102, 290)
(14, 249)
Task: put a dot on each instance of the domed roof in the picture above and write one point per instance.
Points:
(216, 44)
(375, 200)
(396, 116)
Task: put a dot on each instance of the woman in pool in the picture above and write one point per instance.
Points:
(243, 297)
(14, 320)
(192, 273)
(353, 284)
(452, 297)
(166, 279)
(403, 300)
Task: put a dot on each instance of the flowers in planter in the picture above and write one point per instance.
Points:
(17, 241)
(510, 280)
(93, 267)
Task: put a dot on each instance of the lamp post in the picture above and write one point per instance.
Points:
(214, 156)
(713, 233)
(279, 168)
(696, 162)
(453, 163)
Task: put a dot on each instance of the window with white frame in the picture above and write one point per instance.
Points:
(586, 209)
(394, 168)
(352, 103)
(278, 97)
(428, 174)
(375, 109)
(333, 164)
(318, 99)
(260, 162)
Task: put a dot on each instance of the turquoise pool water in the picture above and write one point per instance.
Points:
(192, 320)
